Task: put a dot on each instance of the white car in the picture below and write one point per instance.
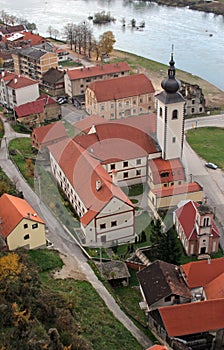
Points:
(211, 165)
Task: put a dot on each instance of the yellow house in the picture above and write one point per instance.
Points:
(20, 226)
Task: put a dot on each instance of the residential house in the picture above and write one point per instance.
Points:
(198, 325)
(162, 285)
(158, 347)
(53, 82)
(35, 113)
(77, 80)
(7, 30)
(22, 39)
(193, 321)
(34, 62)
(106, 214)
(6, 60)
(46, 135)
(194, 97)
(20, 225)
(121, 97)
(196, 228)
(16, 90)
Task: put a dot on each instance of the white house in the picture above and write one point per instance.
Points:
(16, 90)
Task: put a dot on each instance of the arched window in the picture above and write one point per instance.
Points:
(175, 114)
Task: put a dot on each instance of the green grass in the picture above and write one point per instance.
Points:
(208, 143)
(96, 323)
(46, 260)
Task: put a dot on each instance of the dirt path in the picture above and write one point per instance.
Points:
(70, 269)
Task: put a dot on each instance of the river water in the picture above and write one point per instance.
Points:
(198, 38)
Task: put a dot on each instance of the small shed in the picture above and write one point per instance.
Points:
(115, 272)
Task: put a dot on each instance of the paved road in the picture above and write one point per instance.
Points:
(211, 180)
(62, 240)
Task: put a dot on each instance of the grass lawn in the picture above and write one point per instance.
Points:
(212, 147)
(96, 323)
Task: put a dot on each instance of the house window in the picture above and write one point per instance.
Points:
(174, 139)
(113, 223)
(206, 222)
(102, 226)
(193, 102)
(112, 166)
(112, 105)
(125, 164)
(140, 100)
(34, 226)
(134, 102)
(160, 112)
(112, 115)
(165, 185)
(175, 114)
(102, 108)
(138, 172)
(138, 161)
(192, 110)
(127, 103)
(125, 175)
(25, 226)
(26, 237)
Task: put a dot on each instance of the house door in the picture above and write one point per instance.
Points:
(203, 250)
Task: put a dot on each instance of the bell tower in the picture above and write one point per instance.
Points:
(170, 116)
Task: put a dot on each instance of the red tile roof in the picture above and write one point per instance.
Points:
(29, 108)
(192, 318)
(115, 141)
(186, 215)
(119, 88)
(34, 107)
(12, 211)
(145, 122)
(200, 273)
(160, 166)
(80, 73)
(49, 132)
(215, 288)
(82, 171)
(16, 81)
(177, 189)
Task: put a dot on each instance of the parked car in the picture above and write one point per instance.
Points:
(211, 165)
(62, 100)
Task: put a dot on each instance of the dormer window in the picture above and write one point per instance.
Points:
(206, 222)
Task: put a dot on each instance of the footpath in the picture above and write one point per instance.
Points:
(61, 236)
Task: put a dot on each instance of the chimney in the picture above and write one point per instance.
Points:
(98, 185)
(28, 215)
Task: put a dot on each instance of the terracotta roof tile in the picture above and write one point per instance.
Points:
(215, 288)
(82, 171)
(119, 88)
(173, 167)
(21, 81)
(178, 189)
(12, 211)
(145, 122)
(192, 318)
(117, 141)
(49, 132)
(94, 71)
(200, 273)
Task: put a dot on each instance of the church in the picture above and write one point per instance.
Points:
(107, 156)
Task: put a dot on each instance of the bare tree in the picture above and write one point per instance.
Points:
(69, 33)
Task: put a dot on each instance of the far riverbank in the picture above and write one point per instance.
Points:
(216, 7)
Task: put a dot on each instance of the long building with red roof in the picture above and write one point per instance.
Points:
(120, 97)
(77, 80)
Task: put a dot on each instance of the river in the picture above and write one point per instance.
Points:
(198, 37)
